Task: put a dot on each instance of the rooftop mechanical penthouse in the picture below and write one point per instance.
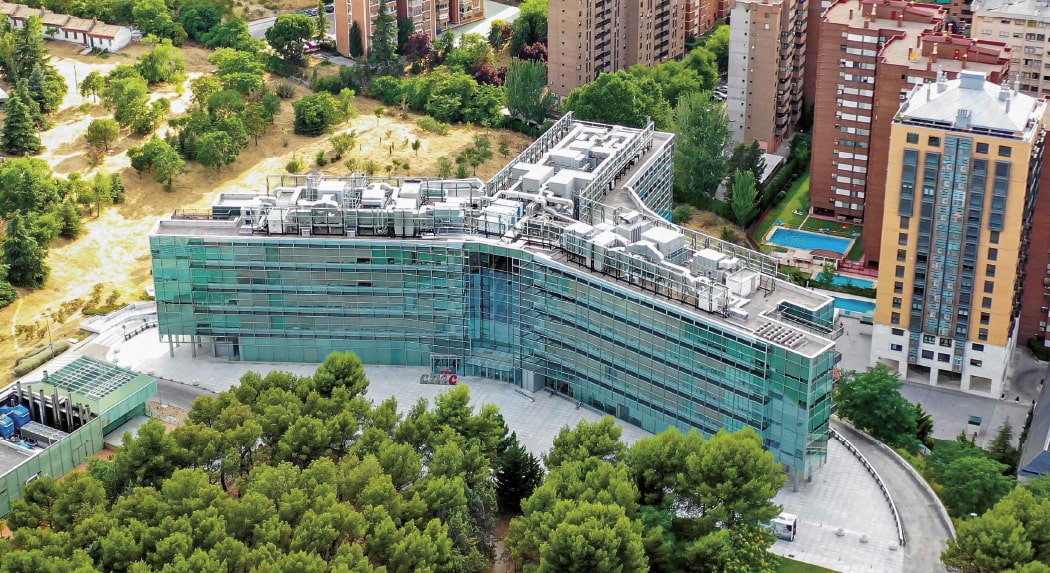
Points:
(558, 273)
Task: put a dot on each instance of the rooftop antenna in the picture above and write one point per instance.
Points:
(942, 80)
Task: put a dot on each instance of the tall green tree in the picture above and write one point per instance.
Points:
(973, 485)
(382, 57)
(530, 27)
(162, 63)
(588, 439)
(923, 426)
(872, 401)
(102, 133)
(24, 257)
(216, 149)
(718, 44)
(288, 34)
(622, 99)
(702, 130)
(153, 18)
(316, 114)
(93, 84)
(198, 17)
(20, 136)
(1002, 448)
(321, 22)
(357, 44)
(128, 97)
(748, 157)
(1012, 536)
(518, 473)
(742, 196)
(160, 157)
(527, 91)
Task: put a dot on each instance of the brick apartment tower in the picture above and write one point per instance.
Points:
(765, 93)
(700, 16)
(872, 52)
(430, 17)
(1035, 271)
(589, 37)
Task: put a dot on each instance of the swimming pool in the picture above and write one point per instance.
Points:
(840, 280)
(809, 241)
(854, 305)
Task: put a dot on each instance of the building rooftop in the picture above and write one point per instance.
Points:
(972, 104)
(948, 53)
(569, 199)
(884, 15)
(1028, 9)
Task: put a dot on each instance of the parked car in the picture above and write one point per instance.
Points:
(329, 8)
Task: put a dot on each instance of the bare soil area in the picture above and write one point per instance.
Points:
(711, 224)
(114, 248)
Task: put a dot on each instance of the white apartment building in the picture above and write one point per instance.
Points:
(1023, 24)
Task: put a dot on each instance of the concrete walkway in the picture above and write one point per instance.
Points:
(842, 497)
(925, 528)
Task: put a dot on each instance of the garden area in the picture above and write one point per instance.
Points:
(787, 211)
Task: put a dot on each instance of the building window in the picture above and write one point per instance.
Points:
(986, 302)
(895, 318)
(913, 138)
(896, 347)
(898, 332)
(975, 362)
(902, 255)
(929, 338)
(1004, 151)
(905, 221)
(993, 254)
(946, 342)
(982, 334)
(993, 237)
(990, 270)
(897, 302)
(942, 357)
(933, 141)
(902, 238)
(898, 288)
(989, 287)
(982, 148)
(900, 272)
(985, 318)
(927, 354)
(977, 347)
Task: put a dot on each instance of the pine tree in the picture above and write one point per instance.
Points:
(116, 187)
(20, 136)
(517, 474)
(23, 256)
(924, 426)
(1001, 449)
(321, 22)
(25, 93)
(357, 48)
(383, 57)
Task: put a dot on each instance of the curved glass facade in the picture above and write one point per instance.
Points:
(507, 312)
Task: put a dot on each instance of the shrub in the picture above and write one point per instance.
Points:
(682, 215)
(38, 357)
(285, 90)
(1041, 352)
(294, 166)
(321, 159)
(433, 126)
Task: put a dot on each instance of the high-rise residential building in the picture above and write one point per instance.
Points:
(1023, 25)
(765, 92)
(1035, 299)
(963, 172)
(429, 17)
(589, 37)
(700, 16)
(559, 273)
(872, 52)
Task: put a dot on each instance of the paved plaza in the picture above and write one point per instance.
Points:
(842, 495)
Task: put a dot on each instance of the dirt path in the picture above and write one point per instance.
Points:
(114, 248)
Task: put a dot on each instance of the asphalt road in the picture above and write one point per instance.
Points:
(925, 532)
(177, 394)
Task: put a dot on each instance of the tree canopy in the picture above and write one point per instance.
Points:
(702, 130)
(1014, 535)
(872, 401)
(527, 91)
(620, 98)
(288, 34)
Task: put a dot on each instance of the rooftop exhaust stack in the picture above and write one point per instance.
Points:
(942, 80)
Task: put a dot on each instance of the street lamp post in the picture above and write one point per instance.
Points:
(50, 343)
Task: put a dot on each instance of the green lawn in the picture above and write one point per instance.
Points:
(792, 566)
(785, 211)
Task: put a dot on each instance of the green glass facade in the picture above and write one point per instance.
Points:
(501, 311)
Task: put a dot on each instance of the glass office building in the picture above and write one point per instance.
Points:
(532, 303)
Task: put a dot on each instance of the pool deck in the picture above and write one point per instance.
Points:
(804, 253)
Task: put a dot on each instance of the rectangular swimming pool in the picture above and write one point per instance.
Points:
(805, 240)
(854, 305)
(840, 280)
